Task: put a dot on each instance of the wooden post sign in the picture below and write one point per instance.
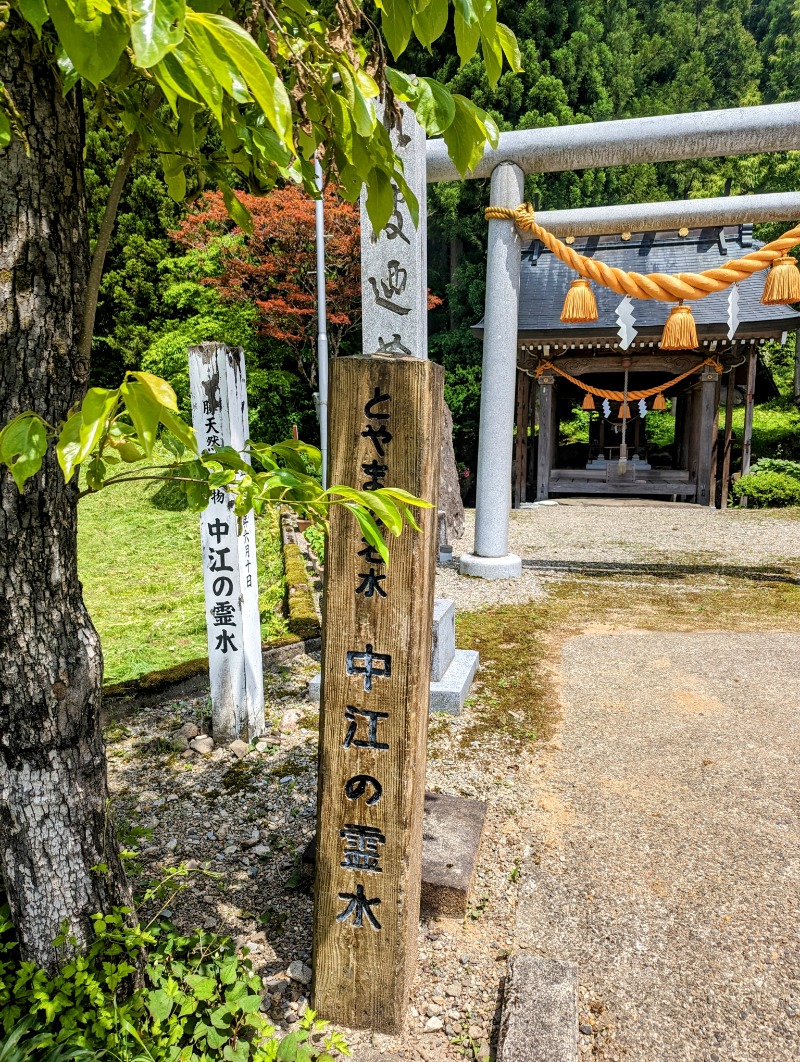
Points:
(385, 428)
(220, 417)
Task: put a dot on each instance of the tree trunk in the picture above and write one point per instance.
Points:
(54, 821)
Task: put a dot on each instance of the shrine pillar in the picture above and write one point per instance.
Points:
(490, 558)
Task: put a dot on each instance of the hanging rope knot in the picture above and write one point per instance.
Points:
(665, 287)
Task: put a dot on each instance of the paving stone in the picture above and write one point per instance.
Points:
(540, 1011)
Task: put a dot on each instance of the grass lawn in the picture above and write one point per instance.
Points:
(143, 584)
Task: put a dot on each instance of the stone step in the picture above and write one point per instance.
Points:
(448, 695)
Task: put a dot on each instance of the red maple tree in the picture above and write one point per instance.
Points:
(274, 266)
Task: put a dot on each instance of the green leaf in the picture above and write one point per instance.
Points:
(492, 57)
(145, 413)
(202, 987)
(216, 1039)
(157, 29)
(159, 1004)
(68, 445)
(396, 24)
(97, 407)
(467, 134)
(237, 211)
(95, 477)
(182, 431)
(250, 1004)
(94, 46)
(380, 198)
(430, 23)
(161, 391)
(23, 444)
(468, 33)
(508, 42)
(434, 106)
(369, 529)
(35, 12)
(5, 130)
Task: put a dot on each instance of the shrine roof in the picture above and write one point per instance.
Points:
(544, 281)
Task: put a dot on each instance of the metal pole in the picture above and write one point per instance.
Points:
(490, 557)
(322, 326)
(664, 138)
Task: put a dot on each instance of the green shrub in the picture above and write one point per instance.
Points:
(776, 464)
(195, 1000)
(768, 489)
(315, 537)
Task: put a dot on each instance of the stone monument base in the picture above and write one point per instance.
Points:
(508, 567)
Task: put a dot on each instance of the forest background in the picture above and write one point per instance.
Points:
(178, 274)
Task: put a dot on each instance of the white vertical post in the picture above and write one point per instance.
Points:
(490, 558)
(394, 269)
(220, 417)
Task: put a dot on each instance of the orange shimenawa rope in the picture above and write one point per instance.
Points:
(618, 396)
(664, 286)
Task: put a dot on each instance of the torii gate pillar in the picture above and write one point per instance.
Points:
(490, 558)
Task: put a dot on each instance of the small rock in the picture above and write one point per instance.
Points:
(585, 1030)
(453, 990)
(192, 864)
(202, 744)
(231, 848)
(239, 748)
(179, 741)
(219, 754)
(290, 719)
(187, 755)
(298, 971)
(260, 850)
(188, 731)
(475, 1032)
(433, 1009)
(290, 1016)
(434, 1024)
(172, 844)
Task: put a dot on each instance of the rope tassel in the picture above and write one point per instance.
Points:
(580, 305)
(782, 285)
(680, 331)
(659, 402)
(588, 402)
(624, 412)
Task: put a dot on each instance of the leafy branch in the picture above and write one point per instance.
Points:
(116, 427)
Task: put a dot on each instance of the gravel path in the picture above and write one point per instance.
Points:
(666, 860)
(640, 540)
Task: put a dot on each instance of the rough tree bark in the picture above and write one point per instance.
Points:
(54, 822)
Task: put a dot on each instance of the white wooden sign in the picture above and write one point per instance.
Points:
(219, 414)
(394, 271)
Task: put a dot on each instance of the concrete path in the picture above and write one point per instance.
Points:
(666, 853)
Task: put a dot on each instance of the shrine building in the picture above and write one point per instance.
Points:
(555, 361)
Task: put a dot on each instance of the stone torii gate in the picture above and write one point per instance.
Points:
(667, 138)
